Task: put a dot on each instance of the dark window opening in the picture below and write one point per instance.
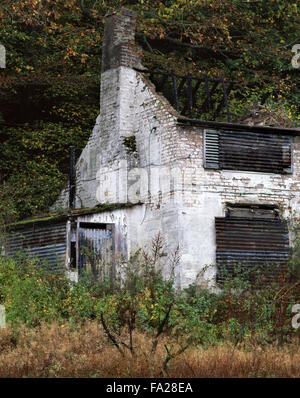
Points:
(93, 225)
(73, 256)
(234, 150)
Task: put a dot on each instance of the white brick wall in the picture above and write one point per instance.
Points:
(183, 208)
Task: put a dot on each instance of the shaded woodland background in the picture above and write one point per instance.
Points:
(49, 91)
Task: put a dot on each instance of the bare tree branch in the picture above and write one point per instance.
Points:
(160, 329)
(170, 356)
(186, 45)
(110, 336)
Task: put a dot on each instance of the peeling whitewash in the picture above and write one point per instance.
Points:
(184, 212)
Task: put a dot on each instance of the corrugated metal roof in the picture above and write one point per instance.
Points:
(68, 213)
(239, 127)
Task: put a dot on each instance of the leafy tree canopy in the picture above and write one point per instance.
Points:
(49, 91)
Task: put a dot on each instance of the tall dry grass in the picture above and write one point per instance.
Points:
(58, 351)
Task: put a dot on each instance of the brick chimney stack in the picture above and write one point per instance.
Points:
(119, 47)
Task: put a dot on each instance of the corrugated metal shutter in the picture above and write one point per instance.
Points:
(251, 242)
(47, 242)
(96, 249)
(233, 150)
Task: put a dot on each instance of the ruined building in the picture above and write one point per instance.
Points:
(225, 192)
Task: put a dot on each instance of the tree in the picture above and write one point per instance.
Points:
(49, 91)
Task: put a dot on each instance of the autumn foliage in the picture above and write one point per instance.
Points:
(49, 91)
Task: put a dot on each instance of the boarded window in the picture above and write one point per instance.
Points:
(45, 241)
(96, 249)
(252, 241)
(234, 150)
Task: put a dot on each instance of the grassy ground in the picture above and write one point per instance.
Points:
(58, 351)
(143, 327)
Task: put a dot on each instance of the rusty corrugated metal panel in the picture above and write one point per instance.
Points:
(96, 249)
(254, 152)
(46, 241)
(234, 150)
(251, 242)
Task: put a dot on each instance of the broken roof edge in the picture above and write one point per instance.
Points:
(239, 127)
(67, 214)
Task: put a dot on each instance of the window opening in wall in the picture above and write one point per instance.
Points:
(235, 150)
(73, 256)
(251, 237)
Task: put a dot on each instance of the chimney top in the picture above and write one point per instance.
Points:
(119, 47)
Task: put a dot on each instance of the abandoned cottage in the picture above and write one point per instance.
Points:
(224, 192)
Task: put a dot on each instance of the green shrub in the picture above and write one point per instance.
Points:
(140, 298)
